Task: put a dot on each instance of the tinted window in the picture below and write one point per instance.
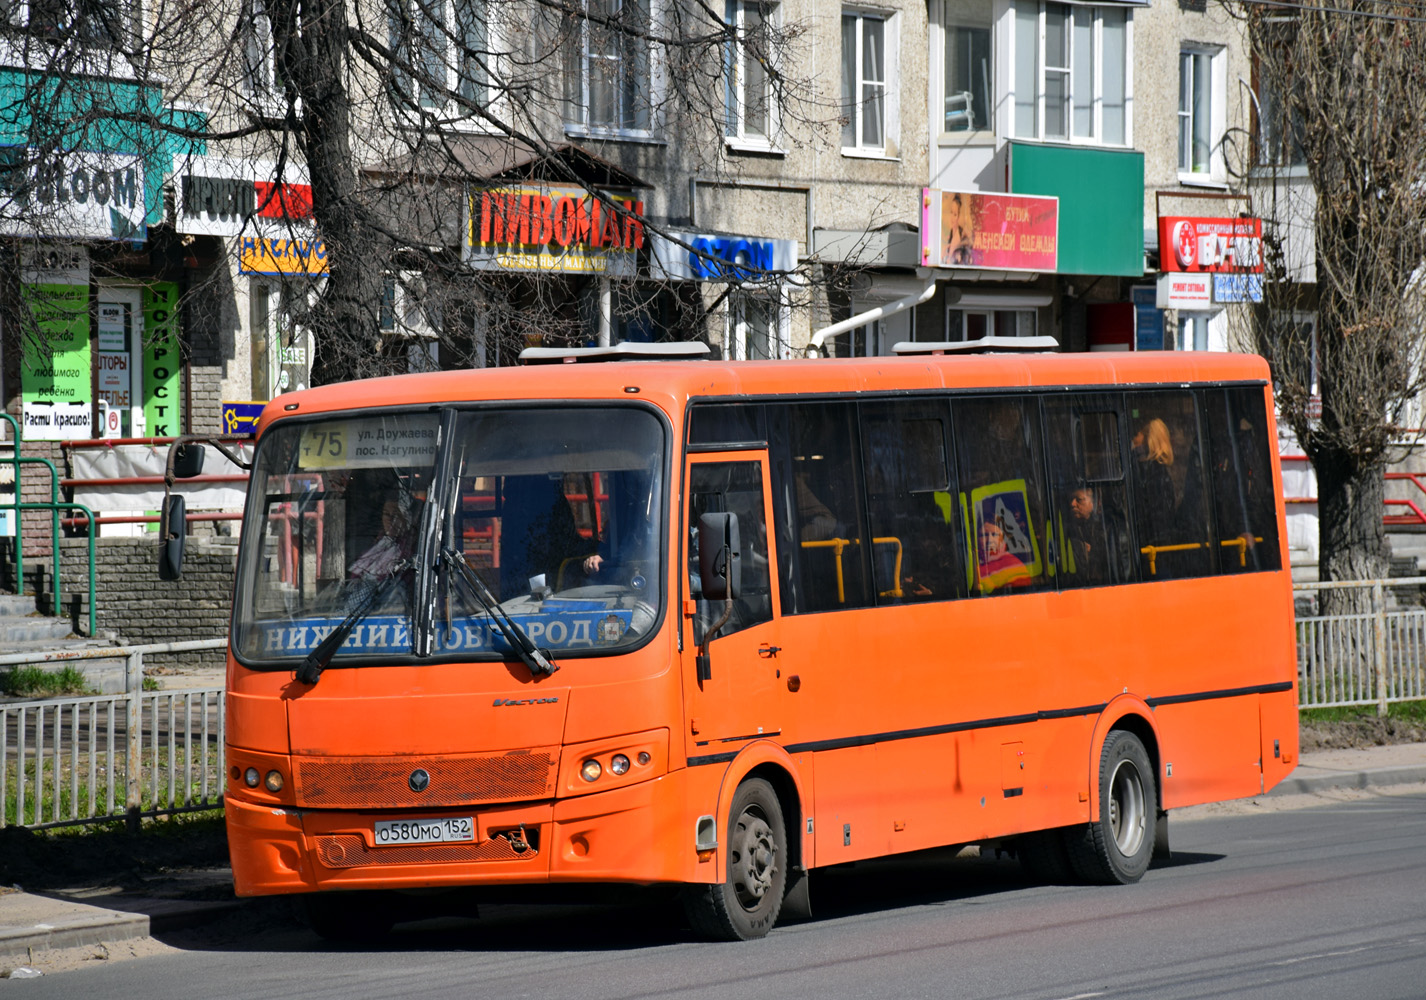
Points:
(726, 423)
(1241, 471)
(909, 504)
(1170, 499)
(1093, 546)
(1001, 494)
(818, 505)
(731, 487)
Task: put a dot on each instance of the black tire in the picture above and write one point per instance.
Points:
(746, 904)
(1116, 849)
(1045, 857)
(348, 917)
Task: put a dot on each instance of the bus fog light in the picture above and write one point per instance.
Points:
(591, 770)
(619, 764)
(644, 758)
(274, 781)
(250, 777)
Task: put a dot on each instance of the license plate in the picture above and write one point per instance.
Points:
(424, 831)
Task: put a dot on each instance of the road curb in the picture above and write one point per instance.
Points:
(1372, 777)
(64, 926)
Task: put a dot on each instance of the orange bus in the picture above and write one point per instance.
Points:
(715, 625)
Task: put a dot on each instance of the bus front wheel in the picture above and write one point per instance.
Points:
(745, 905)
(1116, 848)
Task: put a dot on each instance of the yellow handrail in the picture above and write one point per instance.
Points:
(1152, 551)
(837, 545)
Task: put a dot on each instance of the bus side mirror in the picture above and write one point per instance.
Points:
(720, 557)
(188, 460)
(173, 527)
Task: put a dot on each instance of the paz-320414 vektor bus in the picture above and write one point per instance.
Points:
(719, 624)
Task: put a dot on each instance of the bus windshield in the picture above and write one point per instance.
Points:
(557, 510)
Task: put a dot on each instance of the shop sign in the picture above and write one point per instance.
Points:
(1185, 291)
(1002, 232)
(241, 417)
(561, 229)
(54, 369)
(1221, 246)
(214, 196)
(706, 257)
(1237, 288)
(78, 195)
(282, 255)
(162, 402)
(114, 376)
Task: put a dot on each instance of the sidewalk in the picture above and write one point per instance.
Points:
(88, 916)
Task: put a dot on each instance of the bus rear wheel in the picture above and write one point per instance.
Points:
(746, 904)
(1116, 848)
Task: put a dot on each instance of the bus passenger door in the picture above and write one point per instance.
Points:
(739, 696)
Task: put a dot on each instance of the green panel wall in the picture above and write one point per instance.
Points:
(1101, 194)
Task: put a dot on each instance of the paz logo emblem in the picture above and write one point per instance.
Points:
(419, 780)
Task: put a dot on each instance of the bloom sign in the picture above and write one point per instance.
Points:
(1212, 246)
(1003, 232)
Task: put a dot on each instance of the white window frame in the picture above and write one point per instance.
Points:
(1214, 77)
(889, 84)
(451, 42)
(739, 325)
(578, 122)
(946, 102)
(1097, 127)
(736, 134)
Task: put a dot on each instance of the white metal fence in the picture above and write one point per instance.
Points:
(1373, 656)
(94, 758)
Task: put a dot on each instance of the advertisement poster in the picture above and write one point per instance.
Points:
(54, 370)
(1211, 246)
(162, 365)
(1003, 232)
(1006, 553)
(114, 376)
(81, 194)
(561, 229)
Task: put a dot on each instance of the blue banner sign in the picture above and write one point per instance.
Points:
(241, 418)
(1237, 288)
(391, 634)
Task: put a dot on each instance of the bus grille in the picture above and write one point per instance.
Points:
(384, 782)
(345, 850)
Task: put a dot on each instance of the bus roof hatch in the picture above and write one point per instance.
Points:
(985, 345)
(622, 351)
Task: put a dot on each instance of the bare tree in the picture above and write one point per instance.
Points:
(394, 109)
(1346, 83)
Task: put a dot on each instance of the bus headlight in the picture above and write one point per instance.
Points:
(619, 764)
(250, 777)
(591, 770)
(274, 781)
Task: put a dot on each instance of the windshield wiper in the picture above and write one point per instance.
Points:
(311, 668)
(536, 659)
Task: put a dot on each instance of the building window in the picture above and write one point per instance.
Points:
(968, 72)
(749, 81)
(755, 322)
(98, 22)
(972, 324)
(1071, 73)
(1280, 132)
(446, 43)
(865, 79)
(262, 79)
(1200, 114)
(608, 76)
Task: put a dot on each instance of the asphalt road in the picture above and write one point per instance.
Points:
(1327, 901)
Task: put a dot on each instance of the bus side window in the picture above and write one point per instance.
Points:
(1241, 469)
(1170, 498)
(731, 487)
(818, 504)
(1001, 494)
(912, 518)
(1092, 544)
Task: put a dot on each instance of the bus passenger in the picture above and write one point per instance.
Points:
(1153, 462)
